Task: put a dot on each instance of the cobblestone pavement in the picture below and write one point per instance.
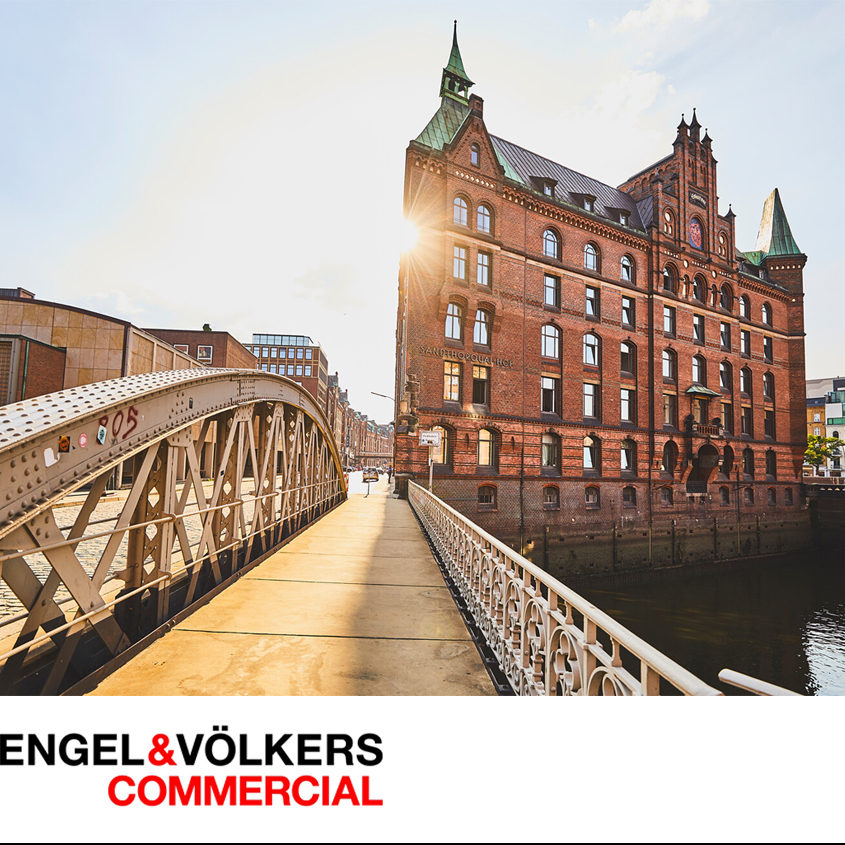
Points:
(89, 551)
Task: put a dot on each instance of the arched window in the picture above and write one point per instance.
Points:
(551, 498)
(766, 311)
(591, 257)
(723, 245)
(699, 288)
(744, 307)
(725, 376)
(487, 498)
(670, 457)
(667, 496)
(627, 357)
(551, 244)
(592, 453)
(483, 219)
(474, 152)
(787, 496)
(748, 463)
(486, 448)
(442, 454)
(592, 497)
(627, 268)
(745, 381)
(748, 495)
(668, 222)
(726, 298)
(727, 462)
(453, 321)
(670, 279)
(591, 350)
(628, 455)
(771, 496)
(670, 365)
(460, 211)
(724, 496)
(699, 370)
(551, 452)
(696, 233)
(771, 464)
(629, 497)
(481, 329)
(768, 386)
(551, 342)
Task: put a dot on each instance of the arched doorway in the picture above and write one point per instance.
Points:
(703, 465)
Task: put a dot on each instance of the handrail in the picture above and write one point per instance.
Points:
(749, 684)
(581, 646)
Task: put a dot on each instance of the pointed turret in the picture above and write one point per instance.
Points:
(775, 236)
(694, 127)
(455, 83)
(683, 132)
(707, 141)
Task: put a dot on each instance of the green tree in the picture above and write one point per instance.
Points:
(821, 449)
(206, 327)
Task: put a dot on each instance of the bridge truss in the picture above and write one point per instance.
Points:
(225, 465)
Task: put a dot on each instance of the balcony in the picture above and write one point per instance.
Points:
(704, 430)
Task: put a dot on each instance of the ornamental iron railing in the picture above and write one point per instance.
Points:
(547, 639)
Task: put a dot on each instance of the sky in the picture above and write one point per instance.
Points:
(241, 164)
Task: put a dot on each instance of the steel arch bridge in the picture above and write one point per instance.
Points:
(225, 465)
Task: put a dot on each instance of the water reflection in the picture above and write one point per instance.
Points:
(782, 621)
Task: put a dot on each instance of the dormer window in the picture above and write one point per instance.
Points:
(588, 203)
(623, 218)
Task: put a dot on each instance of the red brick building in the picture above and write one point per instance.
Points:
(593, 356)
(214, 349)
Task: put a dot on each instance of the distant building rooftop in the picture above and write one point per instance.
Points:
(282, 340)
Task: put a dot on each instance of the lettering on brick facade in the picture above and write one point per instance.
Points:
(474, 357)
(698, 199)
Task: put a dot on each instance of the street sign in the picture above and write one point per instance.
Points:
(430, 438)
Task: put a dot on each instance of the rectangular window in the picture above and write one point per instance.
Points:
(290, 369)
(273, 352)
(728, 417)
(593, 303)
(769, 423)
(747, 426)
(307, 369)
(182, 347)
(300, 353)
(628, 405)
(204, 353)
(308, 354)
(668, 320)
(670, 409)
(264, 367)
(549, 395)
(265, 352)
(698, 328)
(591, 400)
(817, 431)
(817, 417)
(272, 368)
(767, 348)
(459, 263)
(299, 369)
(481, 385)
(725, 335)
(451, 381)
(551, 291)
(745, 342)
(483, 269)
(291, 353)
(629, 313)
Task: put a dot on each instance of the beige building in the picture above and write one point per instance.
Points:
(98, 347)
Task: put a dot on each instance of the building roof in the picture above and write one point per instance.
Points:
(443, 127)
(775, 236)
(571, 185)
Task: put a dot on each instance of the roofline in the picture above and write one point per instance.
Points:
(67, 308)
(650, 167)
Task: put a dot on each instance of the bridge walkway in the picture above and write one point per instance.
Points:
(355, 605)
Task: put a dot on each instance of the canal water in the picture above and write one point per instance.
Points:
(781, 620)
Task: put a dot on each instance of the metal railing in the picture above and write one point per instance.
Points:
(547, 639)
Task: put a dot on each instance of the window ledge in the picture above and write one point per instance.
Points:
(550, 472)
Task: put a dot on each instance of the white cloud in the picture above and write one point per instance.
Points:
(661, 13)
(585, 130)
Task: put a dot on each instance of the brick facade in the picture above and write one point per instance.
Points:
(533, 245)
(224, 350)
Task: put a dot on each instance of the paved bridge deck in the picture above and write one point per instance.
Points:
(355, 605)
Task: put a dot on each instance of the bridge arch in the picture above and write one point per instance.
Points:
(94, 578)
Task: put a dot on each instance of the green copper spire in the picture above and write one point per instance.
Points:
(775, 236)
(455, 83)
